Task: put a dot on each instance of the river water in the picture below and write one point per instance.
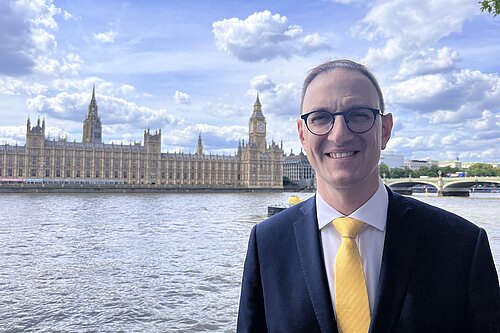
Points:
(143, 262)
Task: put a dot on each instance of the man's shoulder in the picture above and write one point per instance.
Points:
(428, 216)
(286, 218)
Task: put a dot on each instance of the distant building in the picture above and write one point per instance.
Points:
(392, 161)
(451, 164)
(467, 165)
(298, 170)
(255, 164)
(464, 165)
(417, 164)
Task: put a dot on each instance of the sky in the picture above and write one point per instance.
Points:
(195, 67)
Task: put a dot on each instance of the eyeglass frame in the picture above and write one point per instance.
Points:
(343, 114)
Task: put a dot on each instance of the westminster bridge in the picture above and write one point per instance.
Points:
(445, 186)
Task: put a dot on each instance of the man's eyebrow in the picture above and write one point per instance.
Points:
(324, 109)
(350, 107)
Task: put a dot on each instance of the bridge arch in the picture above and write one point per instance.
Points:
(445, 186)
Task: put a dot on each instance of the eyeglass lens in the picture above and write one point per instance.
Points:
(358, 120)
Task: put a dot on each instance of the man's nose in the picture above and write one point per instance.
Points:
(340, 132)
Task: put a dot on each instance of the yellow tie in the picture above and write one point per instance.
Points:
(351, 296)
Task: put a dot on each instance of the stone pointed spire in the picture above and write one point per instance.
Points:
(257, 101)
(92, 127)
(257, 108)
(199, 147)
(93, 106)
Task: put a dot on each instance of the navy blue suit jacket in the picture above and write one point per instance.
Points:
(437, 274)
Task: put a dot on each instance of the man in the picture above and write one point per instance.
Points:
(418, 268)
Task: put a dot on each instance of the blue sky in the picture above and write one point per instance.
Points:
(191, 67)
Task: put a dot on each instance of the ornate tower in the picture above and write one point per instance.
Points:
(35, 149)
(199, 147)
(35, 136)
(152, 157)
(92, 128)
(257, 127)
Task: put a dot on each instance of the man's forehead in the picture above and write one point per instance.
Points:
(345, 84)
(339, 77)
(340, 88)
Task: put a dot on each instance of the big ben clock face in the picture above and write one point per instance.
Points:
(260, 127)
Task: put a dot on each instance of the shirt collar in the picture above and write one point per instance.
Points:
(373, 212)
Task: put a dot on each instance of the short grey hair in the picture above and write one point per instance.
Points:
(345, 64)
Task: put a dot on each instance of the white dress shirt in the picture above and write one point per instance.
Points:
(370, 241)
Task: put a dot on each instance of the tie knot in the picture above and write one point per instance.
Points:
(348, 227)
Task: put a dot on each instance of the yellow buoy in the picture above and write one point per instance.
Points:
(293, 200)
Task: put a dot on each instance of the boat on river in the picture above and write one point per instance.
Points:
(292, 200)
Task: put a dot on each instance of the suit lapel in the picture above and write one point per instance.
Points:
(397, 263)
(307, 237)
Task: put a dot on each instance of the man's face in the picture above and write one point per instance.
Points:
(343, 159)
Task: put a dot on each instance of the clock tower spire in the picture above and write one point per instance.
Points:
(257, 127)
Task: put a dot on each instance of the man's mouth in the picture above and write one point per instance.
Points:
(342, 155)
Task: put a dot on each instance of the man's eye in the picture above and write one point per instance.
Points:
(359, 115)
(320, 119)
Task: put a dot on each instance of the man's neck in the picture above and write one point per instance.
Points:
(348, 200)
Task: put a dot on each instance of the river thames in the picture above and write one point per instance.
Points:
(143, 262)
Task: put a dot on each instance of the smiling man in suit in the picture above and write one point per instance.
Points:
(357, 257)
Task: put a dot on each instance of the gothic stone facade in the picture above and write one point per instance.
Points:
(298, 170)
(256, 165)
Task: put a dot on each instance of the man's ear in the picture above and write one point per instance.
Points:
(300, 130)
(386, 129)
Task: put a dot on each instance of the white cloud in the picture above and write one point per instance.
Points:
(428, 61)
(225, 133)
(418, 90)
(222, 110)
(471, 91)
(12, 135)
(222, 140)
(182, 98)
(25, 40)
(488, 121)
(127, 89)
(113, 110)
(46, 65)
(392, 51)
(67, 16)
(11, 86)
(451, 139)
(72, 64)
(44, 41)
(410, 25)
(43, 12)
(264, 36)
(262, 83)
(281, 99)
(102, 87)
(421, 142)
(106, 37)
(315, 41)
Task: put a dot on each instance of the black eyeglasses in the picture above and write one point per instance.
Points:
(357, 120)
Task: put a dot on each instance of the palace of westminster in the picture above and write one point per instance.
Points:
(255, 165)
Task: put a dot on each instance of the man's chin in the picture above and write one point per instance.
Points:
(340, 181)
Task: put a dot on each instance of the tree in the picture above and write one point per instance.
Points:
(490, 6)
(482, 170)
(423, 171)
(384, 170)
(402, 173)
(448, 170)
